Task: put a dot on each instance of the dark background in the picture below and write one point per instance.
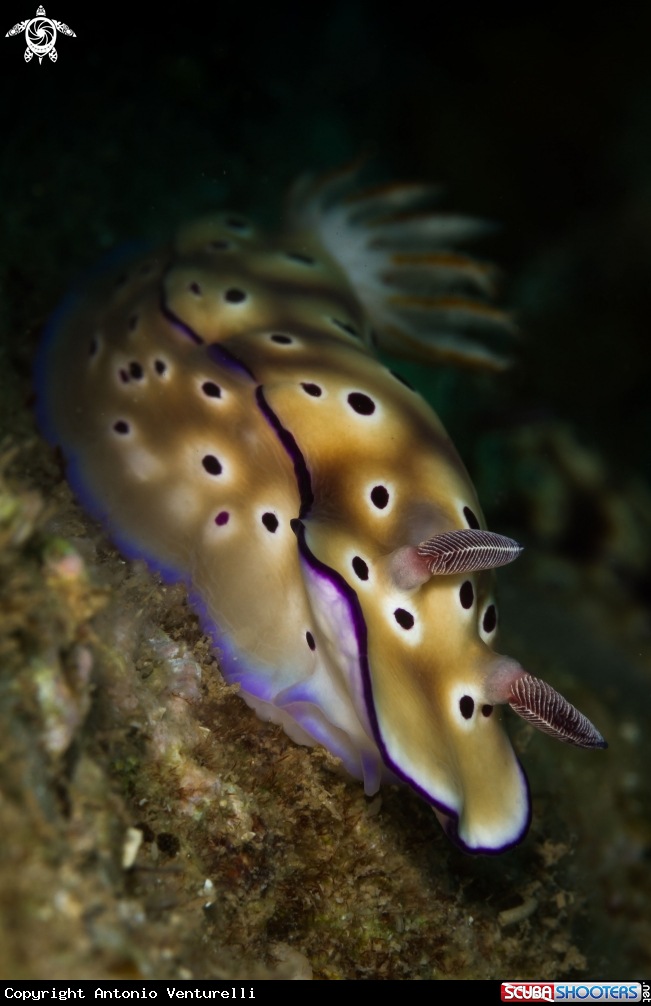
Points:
(537, 118)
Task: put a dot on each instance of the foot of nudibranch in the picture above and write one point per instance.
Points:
(443, 819)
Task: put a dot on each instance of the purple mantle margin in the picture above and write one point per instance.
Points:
(361, 634)
(76, 477)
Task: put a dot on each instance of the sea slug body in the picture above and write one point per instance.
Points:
(221, 408)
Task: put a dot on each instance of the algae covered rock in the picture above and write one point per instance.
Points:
(176, 835)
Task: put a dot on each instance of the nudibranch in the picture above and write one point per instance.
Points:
(220, 407)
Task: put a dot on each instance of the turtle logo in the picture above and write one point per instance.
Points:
(40, 35)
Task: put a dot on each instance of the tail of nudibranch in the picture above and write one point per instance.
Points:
(422, 296)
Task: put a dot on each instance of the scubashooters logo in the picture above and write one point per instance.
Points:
(40, 35)
(571, 991)
(90, 990)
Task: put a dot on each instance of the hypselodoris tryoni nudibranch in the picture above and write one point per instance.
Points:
(220, 407)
